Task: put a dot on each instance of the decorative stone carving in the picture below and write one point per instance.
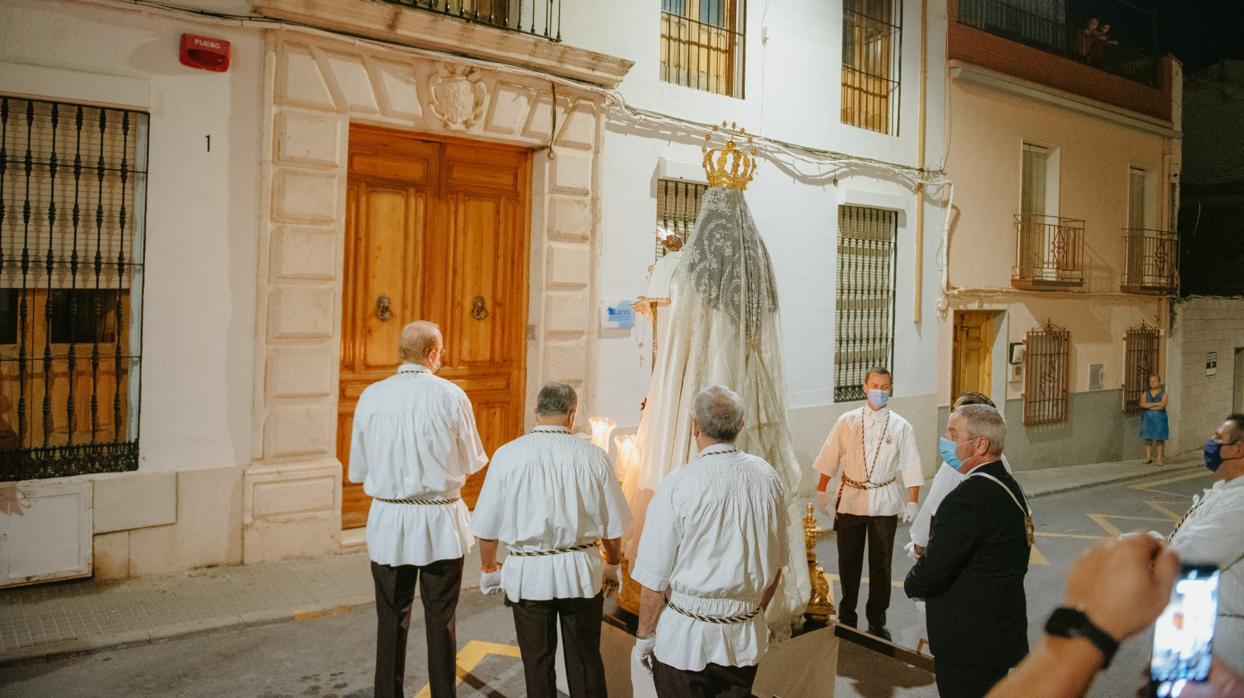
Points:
(458, 96)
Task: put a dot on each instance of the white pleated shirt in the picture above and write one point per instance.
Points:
(548, 490)
(414, 436)
(890, 444)
(945, 481)
(715, 537)
(1213, 533)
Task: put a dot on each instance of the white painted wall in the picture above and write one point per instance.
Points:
(202, 208)
(792, 93)
(1202, 325)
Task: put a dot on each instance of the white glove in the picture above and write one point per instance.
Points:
(490, 582)
(643, 651)
(611, 579)
(909, 512)
(823, 503)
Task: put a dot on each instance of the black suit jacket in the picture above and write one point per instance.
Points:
(972, 574)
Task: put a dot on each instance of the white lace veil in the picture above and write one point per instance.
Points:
(723, 329)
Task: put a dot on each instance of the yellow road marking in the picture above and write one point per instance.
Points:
(1150, 486)
(1103, 521)
(1077, 536)
(1162, 509)
(470, 656)
(1036, 558)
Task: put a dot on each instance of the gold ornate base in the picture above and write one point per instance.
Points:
(820, 605)
(628, 595)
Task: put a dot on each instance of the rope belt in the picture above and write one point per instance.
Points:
(426, 502)
(721, 620)
(553, 551)
(866, 484)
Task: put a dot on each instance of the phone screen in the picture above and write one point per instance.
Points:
(1183, 635)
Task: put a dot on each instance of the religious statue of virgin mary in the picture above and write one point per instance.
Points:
(722, 329)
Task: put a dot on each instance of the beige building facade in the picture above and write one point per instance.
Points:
(1061, 261)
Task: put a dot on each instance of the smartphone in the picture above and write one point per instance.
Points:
(1183, 635)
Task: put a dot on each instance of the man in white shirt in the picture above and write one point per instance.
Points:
(1212, 532)
(715, 539)
(947, 478)
(413, 445)
(876, 450)
(549, 497)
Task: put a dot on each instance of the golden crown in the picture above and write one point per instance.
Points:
(731, 166)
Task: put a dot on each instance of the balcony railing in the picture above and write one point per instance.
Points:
(1049, 252)
(541, 18)
(1084, 40)
(1150, 261)
(703, 55)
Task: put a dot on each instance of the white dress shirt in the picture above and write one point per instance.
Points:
(946, 480)
(414, 437)
(890, 445)
(715, 536)
(544, 491)
(1213, 533)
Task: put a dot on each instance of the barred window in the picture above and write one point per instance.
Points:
(678, 205)
(1047, 366)
(864, 315)
(72, 205)
(702, 44)
(872, 32)
(1140, 348)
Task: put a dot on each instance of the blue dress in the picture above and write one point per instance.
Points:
(1153, 425)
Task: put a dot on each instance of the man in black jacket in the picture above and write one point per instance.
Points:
(972, 574)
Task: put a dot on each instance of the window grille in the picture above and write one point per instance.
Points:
(1141, 345)
(1047, 363)
(72, 206)
(864, 317)
(535, 17)
(678, 205)
(872, 32)
(702, 44)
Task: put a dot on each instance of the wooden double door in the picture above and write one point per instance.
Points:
(435, 230)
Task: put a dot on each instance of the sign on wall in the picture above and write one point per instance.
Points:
(1211, 363)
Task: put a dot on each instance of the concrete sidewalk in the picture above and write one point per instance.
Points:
(51, 620)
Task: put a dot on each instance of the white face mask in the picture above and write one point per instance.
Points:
(878, 398)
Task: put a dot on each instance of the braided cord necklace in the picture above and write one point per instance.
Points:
(885, 428)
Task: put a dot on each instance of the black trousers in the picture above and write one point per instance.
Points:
(851, 533)
(439, 583)
(535, 623)
(959, 681)
(713, 681)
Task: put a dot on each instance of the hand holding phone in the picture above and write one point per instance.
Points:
(1183, 634)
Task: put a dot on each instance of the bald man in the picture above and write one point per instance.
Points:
(413, 445)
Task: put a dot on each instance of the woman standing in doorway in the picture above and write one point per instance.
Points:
(1153, 426)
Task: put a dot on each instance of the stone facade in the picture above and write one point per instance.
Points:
(315, 88)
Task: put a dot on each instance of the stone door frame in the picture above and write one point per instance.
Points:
(314, 87)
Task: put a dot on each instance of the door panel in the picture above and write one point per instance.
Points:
(432, 225)
(973, 355)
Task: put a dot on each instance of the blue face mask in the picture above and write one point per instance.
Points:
(878, 398)
(1213, 455)
(947, 449)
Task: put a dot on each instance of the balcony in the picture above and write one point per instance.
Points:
(1150, 261)
(1049, 252)
(1107, 35)
(540, 18)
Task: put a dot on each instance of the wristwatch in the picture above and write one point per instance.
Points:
(1071, 622)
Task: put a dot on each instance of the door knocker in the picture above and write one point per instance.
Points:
(478, 311)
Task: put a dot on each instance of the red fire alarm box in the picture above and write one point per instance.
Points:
(205, 53)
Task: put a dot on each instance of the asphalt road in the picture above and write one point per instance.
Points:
(331, 656)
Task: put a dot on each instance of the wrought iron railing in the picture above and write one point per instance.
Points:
(541, 18)
(1150, 261)
(1049, 251)
(72, 202)
(871, 65)
(1084, 41)
(707, 56)
(1142, 347)
(864, 303)
(1047, 373)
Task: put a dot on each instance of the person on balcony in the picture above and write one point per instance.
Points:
(1154, 428)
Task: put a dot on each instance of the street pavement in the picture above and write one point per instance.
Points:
(328, 652)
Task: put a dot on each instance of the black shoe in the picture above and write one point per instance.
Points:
(848, 621)
(881, 632)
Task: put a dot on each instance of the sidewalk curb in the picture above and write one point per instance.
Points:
(1059, 489)
(90, 645)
